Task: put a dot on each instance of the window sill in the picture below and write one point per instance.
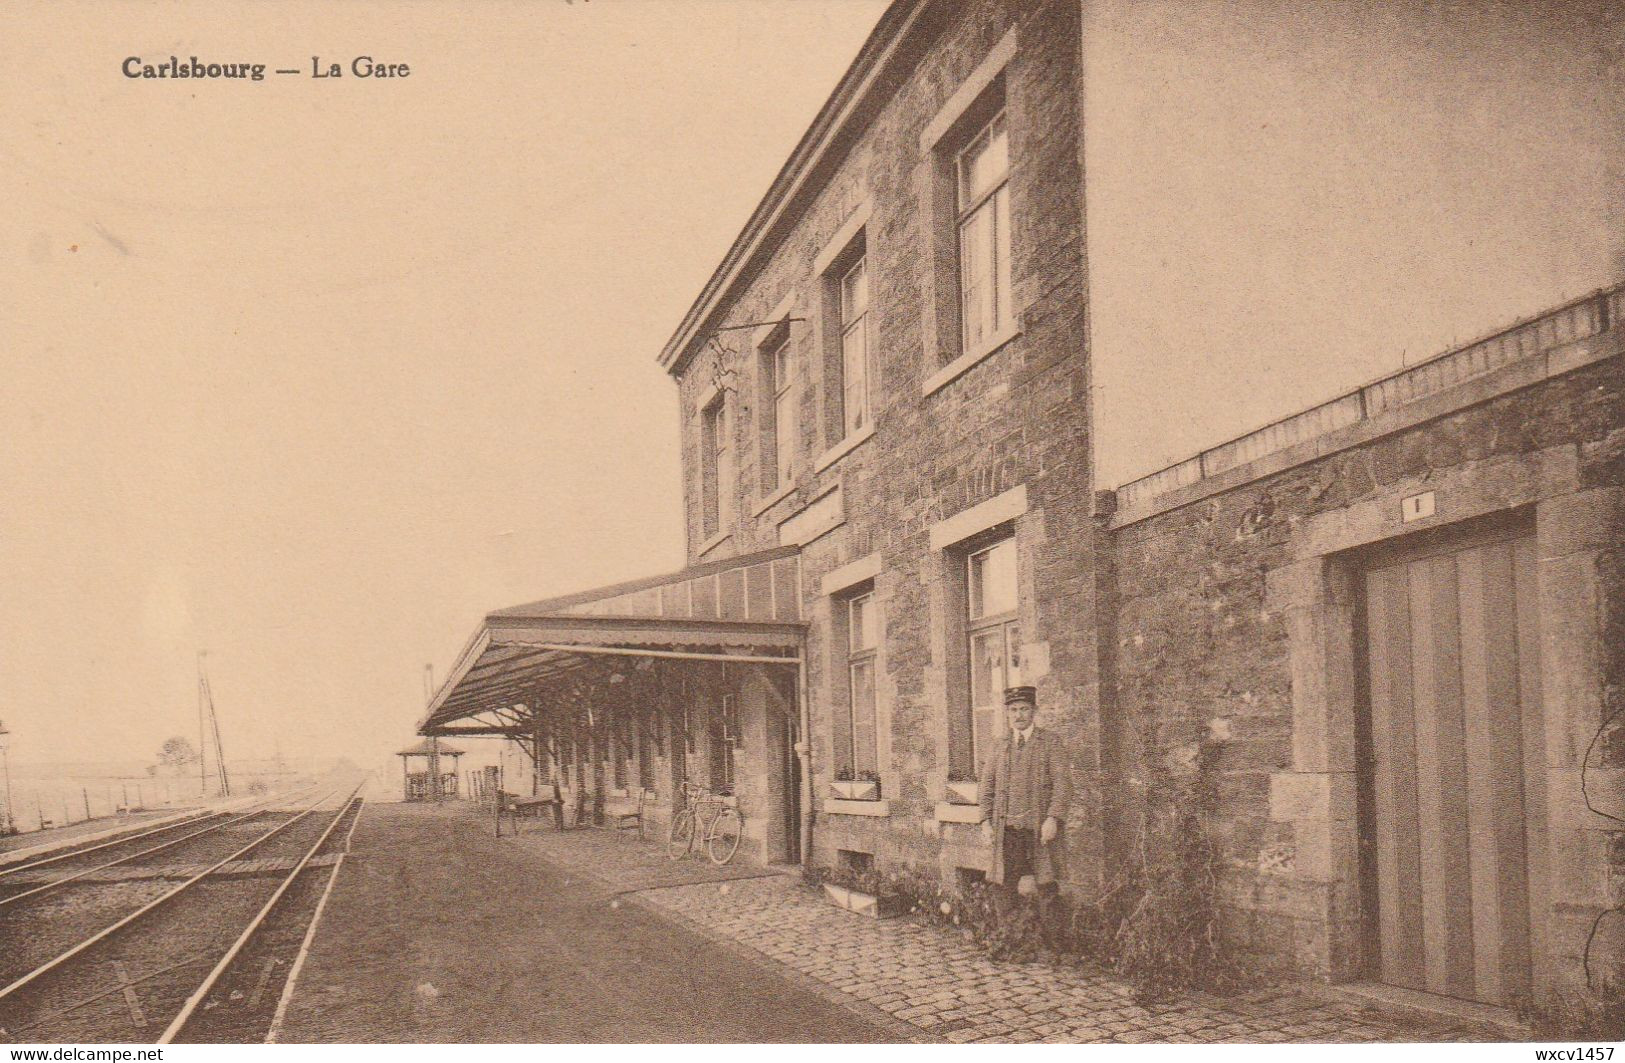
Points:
(773, 499)
(963, 364)
(712, 543)
(948, 812)
(876, 809)
(843, 448)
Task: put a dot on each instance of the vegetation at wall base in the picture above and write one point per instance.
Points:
(1576, 1017)
(1154, 926)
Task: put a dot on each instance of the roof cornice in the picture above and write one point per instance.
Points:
(845, 106)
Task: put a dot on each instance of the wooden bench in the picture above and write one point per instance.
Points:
(514, 806)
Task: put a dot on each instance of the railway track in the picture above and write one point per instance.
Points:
(72, 895)
(44, 874)
(12, 862)
(204, 959)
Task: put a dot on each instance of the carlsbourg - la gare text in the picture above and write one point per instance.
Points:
(175, 69)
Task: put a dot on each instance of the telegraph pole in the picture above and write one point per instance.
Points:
(214, 725)
(202, 733)
(9, 825)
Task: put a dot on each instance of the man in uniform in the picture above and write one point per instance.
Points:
(1026, 790)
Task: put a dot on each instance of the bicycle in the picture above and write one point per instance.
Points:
(719, 823)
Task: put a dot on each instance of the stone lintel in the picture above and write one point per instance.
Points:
(1472, 489)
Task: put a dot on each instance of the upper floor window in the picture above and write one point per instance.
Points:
(716, 469)
(781, 388)
(994, 640)
(983, 173)
(855, 403)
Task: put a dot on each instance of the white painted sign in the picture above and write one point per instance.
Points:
(1416, 507)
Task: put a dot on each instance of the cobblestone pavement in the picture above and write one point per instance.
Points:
(938, 982)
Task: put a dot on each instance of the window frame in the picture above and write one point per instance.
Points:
(855, 325)
(732, 731)
(716, 468)
(778, 363)
(845, 252)
(992, 202)
(720, 756)
(859, 657)
(1007, 624)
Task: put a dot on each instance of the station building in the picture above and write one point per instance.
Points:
(1388, 628)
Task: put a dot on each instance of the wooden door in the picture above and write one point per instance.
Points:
(1455, 784)
(790, 772)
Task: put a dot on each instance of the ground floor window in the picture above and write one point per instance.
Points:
(859, 749)
(721, 751)
(855, 860)
(993, 640)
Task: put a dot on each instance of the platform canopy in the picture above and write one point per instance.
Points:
(541, 661)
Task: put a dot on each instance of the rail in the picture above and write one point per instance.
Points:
(254, 924)
(162, 899)
(281, 1013)
(201, 817)
(55, 883)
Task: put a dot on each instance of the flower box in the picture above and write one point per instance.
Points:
(964, 792)
(863, 903)
(855, 790)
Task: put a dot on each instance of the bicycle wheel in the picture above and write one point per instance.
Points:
(680, 838)
(722, 840)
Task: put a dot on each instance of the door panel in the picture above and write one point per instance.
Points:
(1457, 793)
(1393, 728)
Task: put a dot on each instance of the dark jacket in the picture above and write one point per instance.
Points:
(1050, 785)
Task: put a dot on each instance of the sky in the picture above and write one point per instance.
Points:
(1288, 200)
(313, 373)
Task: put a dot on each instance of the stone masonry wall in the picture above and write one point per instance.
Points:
(1017, 418)
(1224, 613)
(1204, 649)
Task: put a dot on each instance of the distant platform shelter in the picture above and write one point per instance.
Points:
(421, 784)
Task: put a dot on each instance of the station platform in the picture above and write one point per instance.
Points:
(437, 931)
